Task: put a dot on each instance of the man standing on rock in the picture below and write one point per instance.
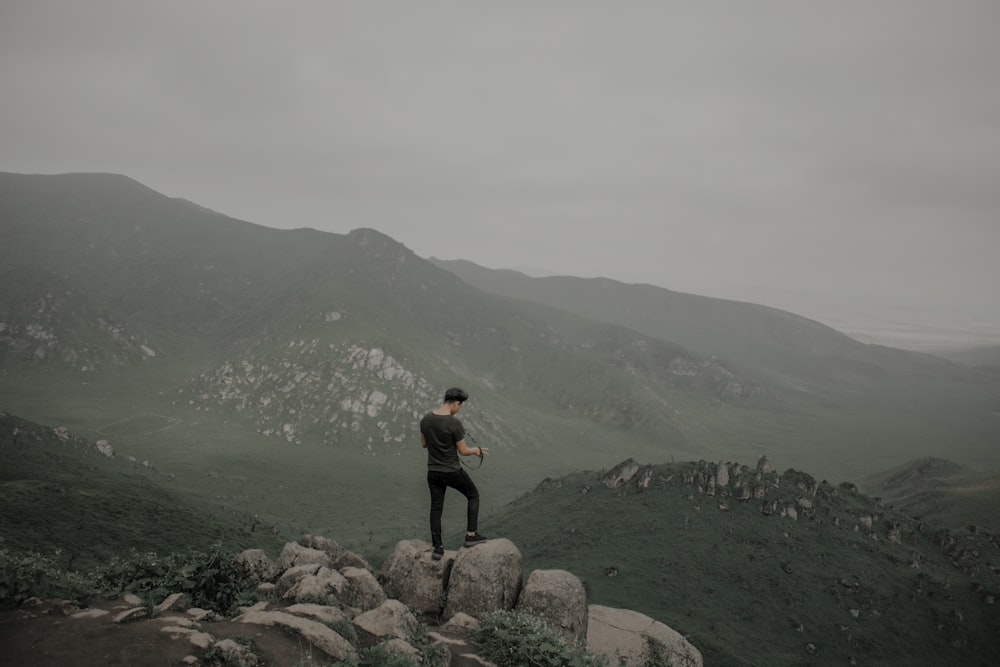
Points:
(443, 436)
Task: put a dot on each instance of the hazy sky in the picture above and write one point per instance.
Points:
(810, 153)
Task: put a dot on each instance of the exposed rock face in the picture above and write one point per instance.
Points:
(485, 578)
(296, 554)
(559, 597)
(325, 584)
(628, 634)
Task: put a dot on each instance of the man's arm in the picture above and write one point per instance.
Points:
(465, 451)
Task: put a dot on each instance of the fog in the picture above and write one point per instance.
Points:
(838, 160)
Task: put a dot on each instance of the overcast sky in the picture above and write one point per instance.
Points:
(800, 154)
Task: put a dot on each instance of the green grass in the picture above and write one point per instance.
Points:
(749, 589)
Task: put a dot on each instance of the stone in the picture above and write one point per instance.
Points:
(411, 576)
(558, 597)
(361, 590)
(91, 613)
(322, 613)
(485, 578)
(621, 474)
(132, 614)
(318, 635)
(323, 587)
(236, 654)
(460, 624)
(294, 554)
(625, 633)
(197, 638)
(173, 602)
(390, 619)
(293, 575)
(257, 565)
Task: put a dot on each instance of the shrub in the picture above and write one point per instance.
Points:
(519, 639)
(34, 575)
(210, 579)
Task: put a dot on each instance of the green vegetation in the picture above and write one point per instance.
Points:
(753, 589)
(518, 639)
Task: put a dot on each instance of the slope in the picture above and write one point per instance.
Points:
(760, 568)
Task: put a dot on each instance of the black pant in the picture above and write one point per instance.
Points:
(438, 482)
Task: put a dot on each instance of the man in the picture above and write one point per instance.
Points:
(443, 436)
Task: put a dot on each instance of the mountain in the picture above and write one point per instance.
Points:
(940, 492)
(122, 308)
(757, 567)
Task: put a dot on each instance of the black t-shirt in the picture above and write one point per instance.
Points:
(442, 434)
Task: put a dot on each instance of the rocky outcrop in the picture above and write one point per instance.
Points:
(335, 613)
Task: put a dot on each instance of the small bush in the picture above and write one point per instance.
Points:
(211, 580)
(34, 575)
(519, 639)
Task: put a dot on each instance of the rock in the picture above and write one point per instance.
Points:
(294, 554)
(90, 613)
(132, 614)
(197, 638)
(621, 474)
(322, 613)
(461, 624)
(351, 559)
(314, 632)
(722, 476)
(390, 619)
(257, 565)
(173, 602)
(324, 544)
(236, 654)
(414, 578)
(362, 590)
(401, 647)
(621, 632)
(132, 600)
(485, 578)
(559, 597)
(293, 575)
(323, 587)
(764, 465)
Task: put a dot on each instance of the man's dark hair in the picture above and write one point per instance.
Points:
(455, 394)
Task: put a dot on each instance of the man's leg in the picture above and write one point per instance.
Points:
(461, 482)
(437, 487)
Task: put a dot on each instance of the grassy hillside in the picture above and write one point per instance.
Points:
(939, 492)
(803, 573)
(60, 494)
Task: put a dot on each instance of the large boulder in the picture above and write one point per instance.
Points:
(559, 597)
(621, 474)
(411, 576)
(637, 639)
(362, 591)
(390, 620)
(485, 578)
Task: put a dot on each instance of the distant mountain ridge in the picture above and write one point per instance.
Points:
(346, 338)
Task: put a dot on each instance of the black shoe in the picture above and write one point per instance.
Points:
(473, 540)
(438, 553)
